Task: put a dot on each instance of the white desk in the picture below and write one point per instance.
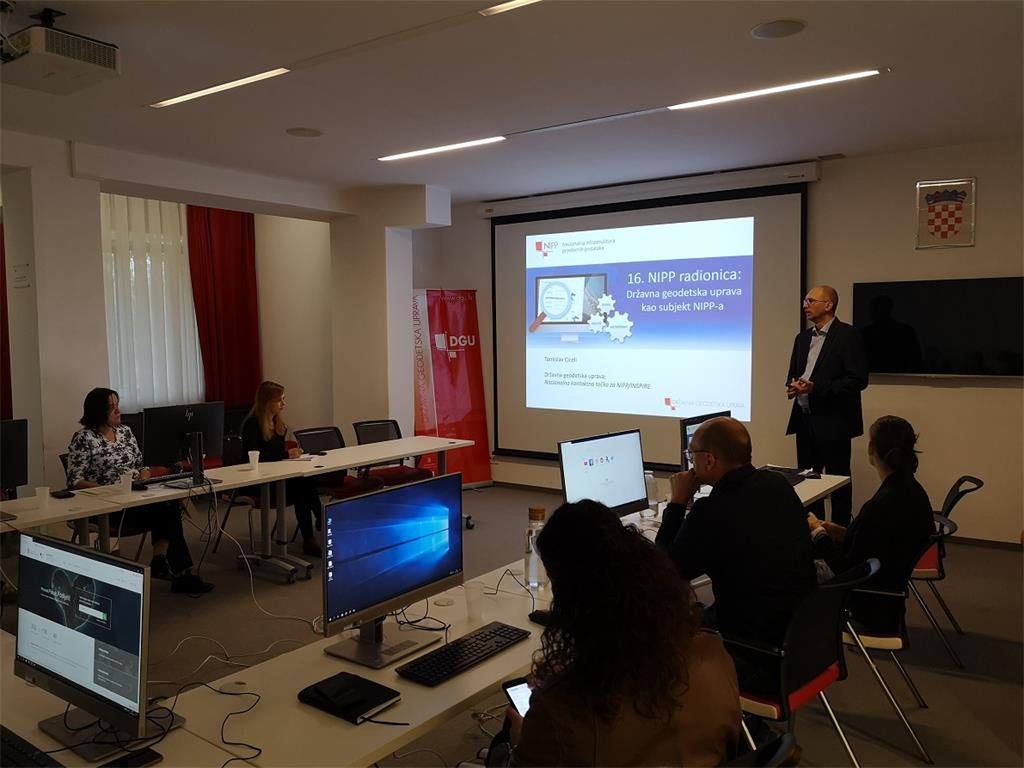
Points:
(22, 706)
(292, 733)
(31, 514)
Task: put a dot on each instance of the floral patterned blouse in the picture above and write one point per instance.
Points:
(91, 457)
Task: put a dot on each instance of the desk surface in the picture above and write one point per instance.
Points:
(290, 732)
(30, 514)
(22, 706)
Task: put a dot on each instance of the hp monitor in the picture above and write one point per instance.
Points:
(13, 455)
(605, 468)
(384, 551)
(687, 428)
(83, 634)
(176, 432)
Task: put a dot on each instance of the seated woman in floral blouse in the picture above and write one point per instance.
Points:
(98, 455)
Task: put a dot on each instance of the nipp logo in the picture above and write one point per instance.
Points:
(544, 248)
(452, 344)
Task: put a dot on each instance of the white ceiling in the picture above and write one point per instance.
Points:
(956, 78)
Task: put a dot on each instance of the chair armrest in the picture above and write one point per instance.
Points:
(754, 645)
(881, 593)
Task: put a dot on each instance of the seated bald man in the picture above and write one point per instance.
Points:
(749, 535)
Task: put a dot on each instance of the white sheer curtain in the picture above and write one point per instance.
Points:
(152, 337)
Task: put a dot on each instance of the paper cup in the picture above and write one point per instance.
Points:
(43, 494)
(126, 480)
(474, 600)
(254, 461)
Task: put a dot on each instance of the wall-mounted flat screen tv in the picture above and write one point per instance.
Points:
(969, 327)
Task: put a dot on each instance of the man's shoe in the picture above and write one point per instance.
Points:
(190, 584)
(159, 569)
(312, 547)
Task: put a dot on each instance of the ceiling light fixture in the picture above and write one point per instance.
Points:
(776, 30)
(221, 87)
(304, 133)
(445, 148)
(509, 6)
(776, 89)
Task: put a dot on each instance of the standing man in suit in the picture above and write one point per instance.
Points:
(827, 371)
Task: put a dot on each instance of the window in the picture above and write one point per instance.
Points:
(152, 340)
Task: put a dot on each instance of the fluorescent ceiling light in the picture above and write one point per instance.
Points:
(221, 87)
(776, 89)
(446, 148)
(509, 6)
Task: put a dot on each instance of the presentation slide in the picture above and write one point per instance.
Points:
(644, 320)
(607, 469)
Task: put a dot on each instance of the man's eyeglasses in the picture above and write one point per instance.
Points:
(814, 301)
(689, 454)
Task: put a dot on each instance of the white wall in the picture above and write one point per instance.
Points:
(861, 228)
(293, 276)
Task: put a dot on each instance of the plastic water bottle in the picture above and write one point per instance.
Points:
(533, 568)
(652, 494)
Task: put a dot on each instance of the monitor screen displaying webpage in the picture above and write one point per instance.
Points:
(605, 468)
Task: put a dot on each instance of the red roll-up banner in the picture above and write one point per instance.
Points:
(449, 379)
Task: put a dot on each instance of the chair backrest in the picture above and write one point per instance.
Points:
(814, 637)
(958, 491)
(64, 463)
(234, 451)
(135, 422)
(376, 430)
(772, 753)
(315, 439)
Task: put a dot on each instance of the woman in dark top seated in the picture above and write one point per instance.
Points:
(894, 525)
(98, 455)
(623, 676)
(263, 430)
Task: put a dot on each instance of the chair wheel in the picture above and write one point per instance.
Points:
(291, 578)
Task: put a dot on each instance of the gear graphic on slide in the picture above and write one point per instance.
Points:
(620, 326)
(606, 303)
(597, 324)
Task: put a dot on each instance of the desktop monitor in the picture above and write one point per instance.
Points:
(13, 454)
(83, 635)
(605, 468)
(168, 431)
(687, 428)
(384, 551)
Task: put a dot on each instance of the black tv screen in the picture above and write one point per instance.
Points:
(943, 327)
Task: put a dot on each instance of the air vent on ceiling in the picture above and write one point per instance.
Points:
(59, 62)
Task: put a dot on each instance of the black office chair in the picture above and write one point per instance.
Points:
(391, 473)
(778, 751)
(886, 632)
(337, 485)
(811, 657)
(931, 568)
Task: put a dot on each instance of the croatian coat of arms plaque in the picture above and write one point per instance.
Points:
(945, 213)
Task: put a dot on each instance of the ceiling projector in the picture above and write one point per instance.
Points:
(43, 58)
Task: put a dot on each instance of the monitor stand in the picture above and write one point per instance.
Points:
(376, 648)
(92, 740)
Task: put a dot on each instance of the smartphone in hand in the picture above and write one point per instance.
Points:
(518, 692)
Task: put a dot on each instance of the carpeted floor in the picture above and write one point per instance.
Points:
(974, 716)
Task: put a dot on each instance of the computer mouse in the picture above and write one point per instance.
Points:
(539, 616)
(318, 453)
(137, 486)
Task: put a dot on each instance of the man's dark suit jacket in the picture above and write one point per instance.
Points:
(839, 375)
(750, 536)
(895, 525)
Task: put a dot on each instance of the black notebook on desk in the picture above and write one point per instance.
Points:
(349, 697)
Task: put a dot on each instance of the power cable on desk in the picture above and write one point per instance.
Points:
(436, 754)
(406, 621)
(508, 572)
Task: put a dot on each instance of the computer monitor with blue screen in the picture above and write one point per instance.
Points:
(688, 428)
(605, 468)
(384, 551)
(83, 631)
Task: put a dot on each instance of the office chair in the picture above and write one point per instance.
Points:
(392, 473)
(931, 568)
(811, 657)
(888, 632)
(337, 485)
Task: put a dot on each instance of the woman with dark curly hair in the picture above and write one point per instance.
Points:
(623, 676)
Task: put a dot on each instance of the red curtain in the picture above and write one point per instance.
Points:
(222, 258)
(6, 399)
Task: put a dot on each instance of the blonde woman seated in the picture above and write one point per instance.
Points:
(263, 430)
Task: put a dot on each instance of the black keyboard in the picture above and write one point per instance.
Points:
(15, 751)
(166, 478)
(459, 655)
